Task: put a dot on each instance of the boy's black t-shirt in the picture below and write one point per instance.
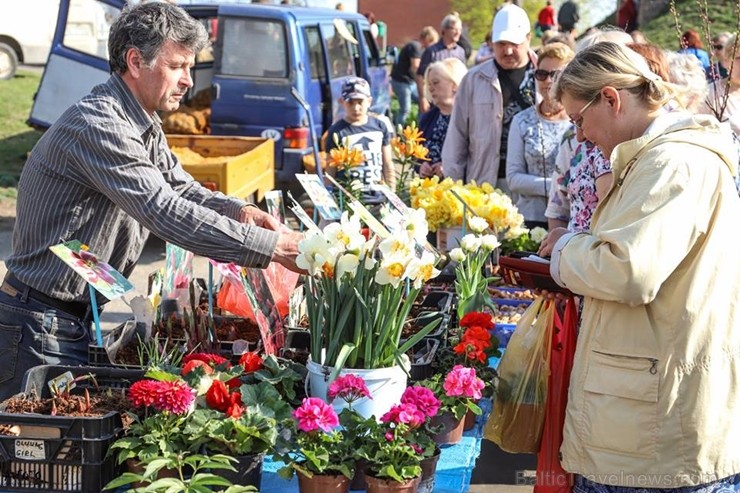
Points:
(370, 138)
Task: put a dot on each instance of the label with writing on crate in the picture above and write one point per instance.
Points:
(30, 449)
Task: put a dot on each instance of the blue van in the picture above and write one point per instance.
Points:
(273, 71)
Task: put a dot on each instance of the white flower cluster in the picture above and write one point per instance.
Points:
(472, 243)
(341, 249)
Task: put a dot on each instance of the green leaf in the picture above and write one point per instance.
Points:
(123, 480)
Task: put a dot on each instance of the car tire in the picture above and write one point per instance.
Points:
(8, 61)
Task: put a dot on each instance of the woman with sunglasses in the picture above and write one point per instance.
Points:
(534, 138)
(654, 393)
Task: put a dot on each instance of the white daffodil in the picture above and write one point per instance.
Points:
(391, 271)
(315, 251)
(346, 234)
(489, 242)
(457, 254)
(477, 224)
(470, 243)
(420, 270)
(538, 234)
(395, 245)
(347, 264)
(416, 225)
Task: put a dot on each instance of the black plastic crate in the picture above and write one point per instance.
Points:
(426, 317)
(421, 356)
(56, 454)
(438, 300)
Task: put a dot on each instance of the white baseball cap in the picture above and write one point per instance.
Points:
(511, 24)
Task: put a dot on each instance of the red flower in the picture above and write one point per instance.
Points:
(175, 397)
(479, 319)
(234, 383)
(235, 409)
(478, 334)
(211, 359)
(217, 396)
(195, 363)
(251, 362)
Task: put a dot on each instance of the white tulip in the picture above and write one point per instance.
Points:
(477, 224)
(470, 243)
(457, 254)
(490, 242)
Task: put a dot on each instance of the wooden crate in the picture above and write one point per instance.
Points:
(248, 166)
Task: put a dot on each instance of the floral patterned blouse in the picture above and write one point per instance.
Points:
(573, 196)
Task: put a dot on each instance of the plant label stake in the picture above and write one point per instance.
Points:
(100, 276)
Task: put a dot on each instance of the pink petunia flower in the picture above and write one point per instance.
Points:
(462, 382)
(315, 414)
(423, 398)
(349, 387)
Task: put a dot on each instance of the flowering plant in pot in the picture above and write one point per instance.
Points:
(471, 283)
(474, 348)
(312, 445)
(361, 290)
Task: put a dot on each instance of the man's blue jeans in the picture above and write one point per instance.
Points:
(32, 334)
(405, 92)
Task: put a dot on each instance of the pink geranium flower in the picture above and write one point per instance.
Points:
(405, 413)
(423, 398)
(315, 414)
(462, 382)
(349, 387)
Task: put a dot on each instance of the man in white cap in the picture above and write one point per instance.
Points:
(488, 98)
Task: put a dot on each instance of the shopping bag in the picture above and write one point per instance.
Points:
(551, 477)
(518, 414)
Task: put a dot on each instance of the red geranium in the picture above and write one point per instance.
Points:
(235, 408)
(478, 319)
(251, 362)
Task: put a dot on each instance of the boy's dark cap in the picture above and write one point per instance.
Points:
(355, 88)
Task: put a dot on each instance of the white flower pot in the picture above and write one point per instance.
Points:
(386, 386)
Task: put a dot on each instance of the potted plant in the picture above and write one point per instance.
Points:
(191, 475)
(471, 283)
(359, 293)
(458, 391)
(312, 445)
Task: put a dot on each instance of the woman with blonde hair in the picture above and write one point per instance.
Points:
(441, 80)
(655, 387)
(534, 139)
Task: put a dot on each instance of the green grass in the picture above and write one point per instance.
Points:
(722, 17)
(16, 138)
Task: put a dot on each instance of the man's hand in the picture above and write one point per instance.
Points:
(549, 242)
(286, 250)
(427, 170)
(253, 215)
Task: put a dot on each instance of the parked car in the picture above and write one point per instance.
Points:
(274, 71)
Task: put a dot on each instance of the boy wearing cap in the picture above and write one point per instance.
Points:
(359, 129)
(487, 99)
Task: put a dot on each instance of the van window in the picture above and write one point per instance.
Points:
(88, 26)
(371, 49)
(315, 52)
(254, 48)
(340, 52)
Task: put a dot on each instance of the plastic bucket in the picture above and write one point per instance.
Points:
(386, 386)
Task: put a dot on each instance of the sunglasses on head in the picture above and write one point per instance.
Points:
(542, 75)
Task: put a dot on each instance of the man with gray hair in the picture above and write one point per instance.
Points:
(447, 47)
(489, 96)
(104, 175)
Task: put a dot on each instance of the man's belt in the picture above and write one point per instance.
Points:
(77, 309)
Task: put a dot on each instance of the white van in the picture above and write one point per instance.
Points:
(27, 31)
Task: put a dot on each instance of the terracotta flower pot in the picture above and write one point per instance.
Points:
(383, 485)
(323, 483)
(469, 421)
(452, 429)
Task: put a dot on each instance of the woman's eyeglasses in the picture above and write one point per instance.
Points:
(718, 47)
(542, 75)
(579, 121)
